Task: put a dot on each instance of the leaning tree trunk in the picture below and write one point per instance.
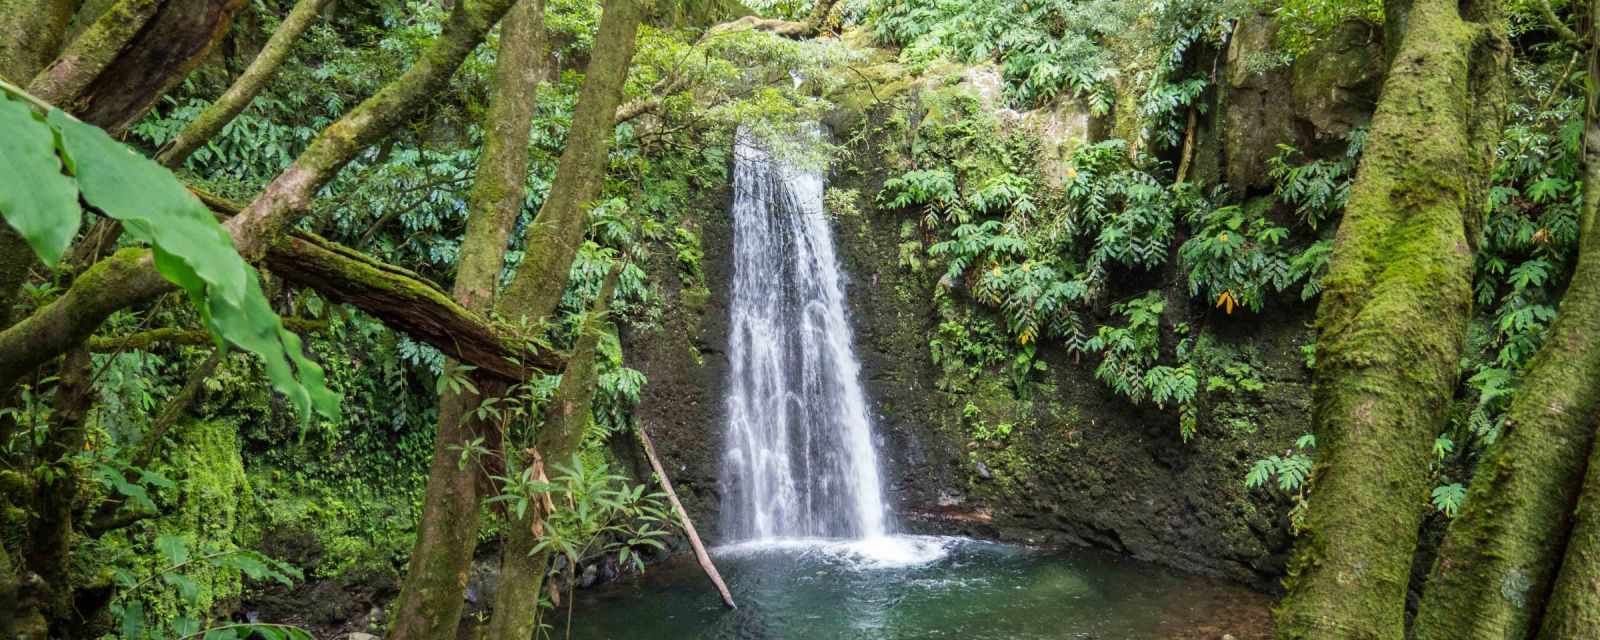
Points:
(557, 232)
(1501, 554)
(116, 70)
(1392, 321)
(447, 531)
(522, 571)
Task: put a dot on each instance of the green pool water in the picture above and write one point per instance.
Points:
(914, 587)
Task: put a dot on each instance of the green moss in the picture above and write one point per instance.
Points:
(205, 509)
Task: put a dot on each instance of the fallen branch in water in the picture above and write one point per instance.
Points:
(688, 526)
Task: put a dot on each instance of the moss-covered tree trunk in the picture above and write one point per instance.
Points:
(50, 526)
(557, 232)
(33, 31)
(566, 416)
(447, 531)
(1501, 554)
(1392, 321)
(1573, 612)
(116, 70)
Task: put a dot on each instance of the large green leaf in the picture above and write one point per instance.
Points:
(35, 197)
(194, 251)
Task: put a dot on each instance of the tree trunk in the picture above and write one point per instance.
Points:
(245, 88)
(700, 554)
(557, 232)
(1573, 612)
(129, 276)
(50, 530)
(1392, 322)
(447, 532)
(33, 31)
(116, 70)
(565, 416)
(1501, 554)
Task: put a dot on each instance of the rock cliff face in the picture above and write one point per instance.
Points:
(1077, 464)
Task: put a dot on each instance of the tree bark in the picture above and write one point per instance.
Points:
(116, 70)
(565, 416)
(557, 232)
(1573, 612)
(1392, 322)
(50, 529)
(70, 74)
(33, 31)
(244, 89)
(431, 599)
(1500, 556)
(129, 276)
(408, 303)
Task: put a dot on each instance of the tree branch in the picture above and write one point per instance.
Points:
(245, 88)
(1557, 25)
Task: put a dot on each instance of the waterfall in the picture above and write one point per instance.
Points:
(799, 459)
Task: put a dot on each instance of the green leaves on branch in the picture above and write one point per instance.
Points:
(33, 191)
(39, 191)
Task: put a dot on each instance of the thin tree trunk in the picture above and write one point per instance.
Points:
(565, 417)
(1392, 322)
(50, 528)
(1500, 556)
(557, 232)
(244, 89)
(431, 598)
(700, 554)
(129, 276)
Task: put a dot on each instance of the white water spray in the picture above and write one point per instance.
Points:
(800, 461)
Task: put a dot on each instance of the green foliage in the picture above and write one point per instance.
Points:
(1317, 188)
(1448, 498)
(34, 193)
(191, 249)
(1302, 23)
(1528, 250)
(1045, 49)
(1238, 256)
(1291, 470)
(1175, 81)
(178, 565)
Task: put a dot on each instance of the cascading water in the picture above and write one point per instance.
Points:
(800, 461)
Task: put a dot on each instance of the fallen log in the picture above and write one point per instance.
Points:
(402, 299)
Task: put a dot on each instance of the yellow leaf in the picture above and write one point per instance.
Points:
(1226, 301)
